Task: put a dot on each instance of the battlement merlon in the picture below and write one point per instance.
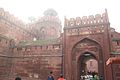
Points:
(38, 48)
(98, 18)
(10, 18)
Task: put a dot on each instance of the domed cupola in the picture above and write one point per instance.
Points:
(50, 12)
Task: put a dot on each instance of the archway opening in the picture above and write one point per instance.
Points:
(87, 66)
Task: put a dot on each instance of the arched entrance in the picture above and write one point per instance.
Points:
(87, 66)
(87, 58)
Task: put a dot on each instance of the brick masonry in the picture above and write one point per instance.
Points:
(33, 50)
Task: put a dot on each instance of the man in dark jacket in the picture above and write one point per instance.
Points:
(50, 77)
(18, 78)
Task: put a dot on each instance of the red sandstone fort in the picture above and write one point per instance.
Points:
(32, 50)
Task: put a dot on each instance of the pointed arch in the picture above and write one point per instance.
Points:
(82, 47)
(92, 40)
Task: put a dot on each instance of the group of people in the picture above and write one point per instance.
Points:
(50, 77)
(90, 76)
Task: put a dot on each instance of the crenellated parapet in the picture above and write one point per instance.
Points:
(9, 18)
(38, 60)
(87, 20)
(12, 27)
(38, 50)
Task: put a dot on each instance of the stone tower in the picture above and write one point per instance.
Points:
(48, 26)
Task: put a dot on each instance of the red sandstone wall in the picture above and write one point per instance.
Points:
(5, 61)
(12, 27)
(36, 61)
(115, 41)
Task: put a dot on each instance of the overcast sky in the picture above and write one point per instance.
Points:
(69, 8)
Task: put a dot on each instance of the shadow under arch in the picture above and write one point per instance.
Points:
(87, 53)
(81, 63)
